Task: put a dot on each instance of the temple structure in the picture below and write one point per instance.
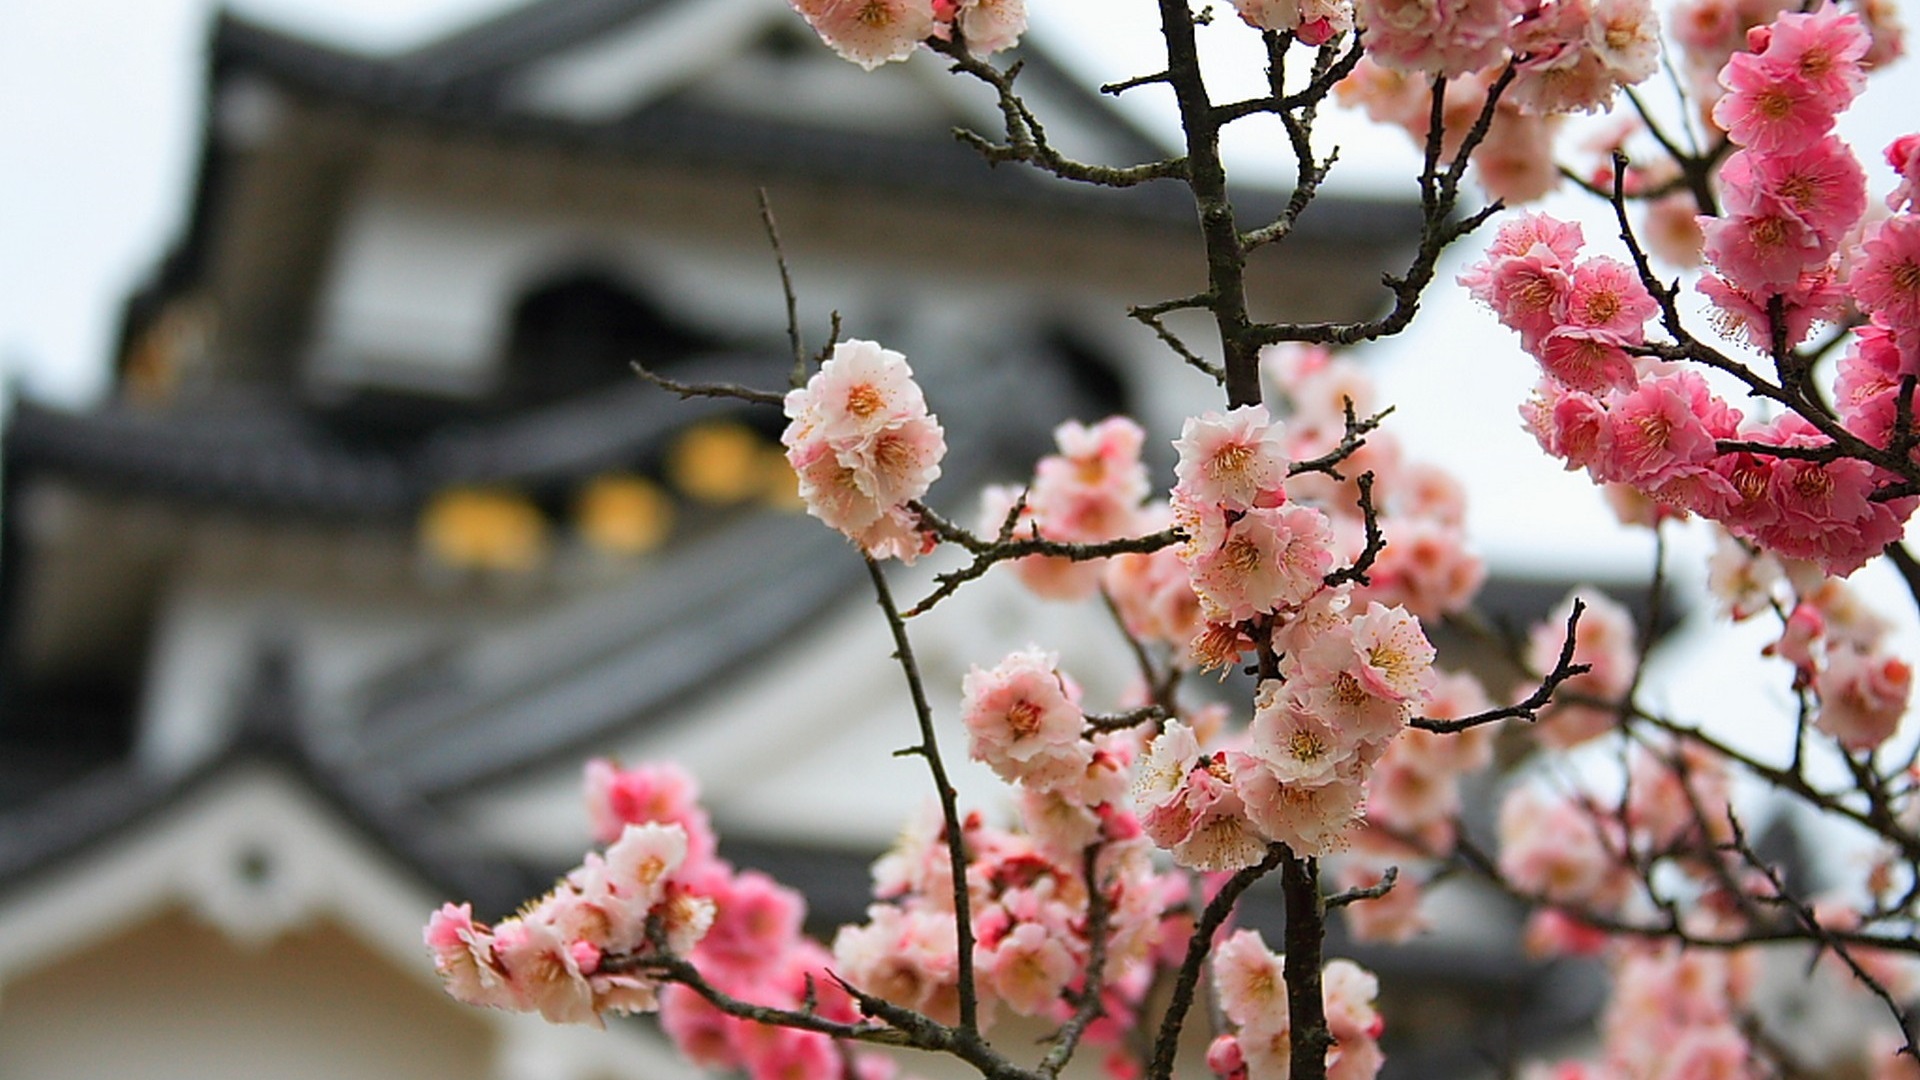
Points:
(310, 626)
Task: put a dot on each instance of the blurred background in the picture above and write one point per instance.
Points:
(336, 531)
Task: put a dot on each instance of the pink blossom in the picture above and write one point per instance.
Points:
(1862, 697)
(1394, 918)
(1526, 290)
(1820, 182)
(655, 792)
(1249, 980)
(1886, 274)
(1555, 848)
(1823, 48)
(1051, 577)
(1297, 745)
(1660, 429)
(1515, 161)
(870, 32)
(1762, 252)
(990, 26)
(1349, 991)
(463, 955)
(1237, 461)
(861, 441)
(1266, 559)
(1903, 155)
(1027, 969)
(1024, 720)
(544, 972)
(1204, 822)
(1768, 108)
(1312, 819)
(1814, 298)
(1092, 489)
(1604, 640)
(1589, 361)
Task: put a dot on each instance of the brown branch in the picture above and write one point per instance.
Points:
(712, 390)
(1529, 709)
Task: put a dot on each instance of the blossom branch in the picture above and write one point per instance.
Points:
(929, 749)
(799, 376)
(1529, 709)
(710, 390)
(1212, 918)
(1087, 1007)
(1026, 139)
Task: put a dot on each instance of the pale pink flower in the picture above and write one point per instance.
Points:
(1862, 697)
(1297, 745)
(1237, 461)
(1515, 161)
(1312, 819)
(1426, 568)
(1554, 847)
(1626, 37)
(861, 442)
(463, 955)
(1092, 489)
(1268, 558)
(545, 972)
(1348, 991)
(642, 860)
(1204, 824)
(1027, 969)
(1050, 577)
(906, 957)
(860, 390)
(1249, 980)
(870, 32)
(990, 26)
(1024, 720)
(1396, 658)
(1671, 230)
(1276, 15)
(1677, 793)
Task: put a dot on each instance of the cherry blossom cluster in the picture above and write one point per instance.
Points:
(875, 32)
(1250, 985)
(1276, 532)
(1656, 427)
(1567, 56)
(1090, 491)
(1838, 646)
(549, 958)
(1031, 923)
(863, 445)
(1413, 805)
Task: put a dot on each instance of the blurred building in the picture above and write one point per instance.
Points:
(310, 626)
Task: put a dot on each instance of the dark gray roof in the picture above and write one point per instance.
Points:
(267, 449)
(49, 832)
(455, 85)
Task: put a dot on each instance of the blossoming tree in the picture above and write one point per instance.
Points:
(1299, 544)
